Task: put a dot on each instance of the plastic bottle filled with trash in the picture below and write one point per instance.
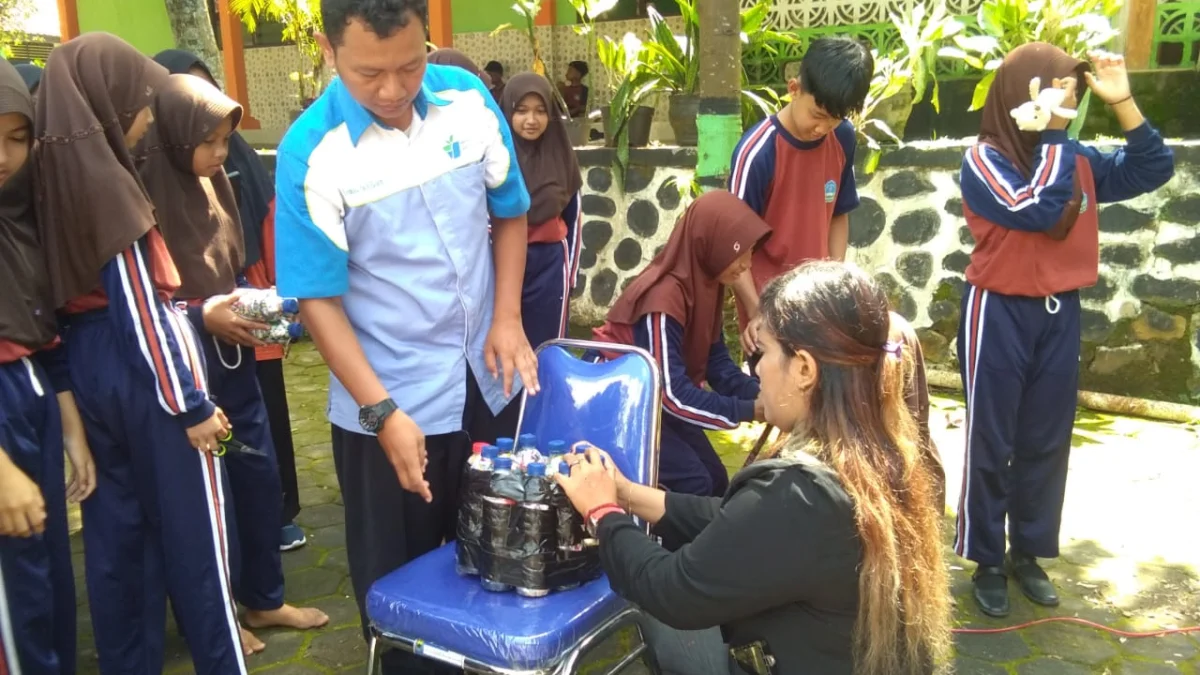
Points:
(569, 533)
(281, 331)
(264, 305)
(527, 452)
(538, 524)
(555, 455)
(500, 539)
(506, 447)
(476, 480)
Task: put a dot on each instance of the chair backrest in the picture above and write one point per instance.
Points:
(615, 405)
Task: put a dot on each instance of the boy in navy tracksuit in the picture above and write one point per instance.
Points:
(1031, 201)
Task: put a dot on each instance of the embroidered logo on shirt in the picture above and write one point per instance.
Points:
(452, 148)
(830, 192)
(1083, 203)
(737, 246)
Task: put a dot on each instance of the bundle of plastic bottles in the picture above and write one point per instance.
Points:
(280, 314)
(516, 527)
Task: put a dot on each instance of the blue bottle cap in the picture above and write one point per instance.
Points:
(295, 331)
(583, 447)
(556, 448)
(535, 469)
(527, 440)
(505, 444)
(290, 306)
(504, 463)
(564, 469)
(490, 451)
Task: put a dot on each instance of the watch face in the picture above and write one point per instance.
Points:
(368, 418)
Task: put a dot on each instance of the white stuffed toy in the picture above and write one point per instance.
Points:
(1034, 115)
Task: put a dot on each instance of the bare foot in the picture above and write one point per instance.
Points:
(300, 618)
(250, 644)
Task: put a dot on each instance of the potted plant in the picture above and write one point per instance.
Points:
(301, 19)
(1075, 26)
(674, 62)
(891, 89)
(626, 119)
(587, 11)
(923, 33)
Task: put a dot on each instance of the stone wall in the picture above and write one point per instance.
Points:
(1141, 322)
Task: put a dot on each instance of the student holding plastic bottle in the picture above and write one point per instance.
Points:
(673, 309)
(156, 524)
(38, 419)
(184, 174)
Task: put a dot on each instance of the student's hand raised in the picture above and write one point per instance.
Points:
(1109, 78)
(22, 509)
(220, 320)
(404, 444)
(507, 351)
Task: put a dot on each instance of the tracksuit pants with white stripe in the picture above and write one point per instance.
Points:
(156, 525)
(254, 485)
(37, 588)
(546, 292)
(1019, 360)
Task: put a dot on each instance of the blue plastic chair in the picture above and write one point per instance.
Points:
(427, 609)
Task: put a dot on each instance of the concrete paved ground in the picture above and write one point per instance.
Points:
(1130, 554)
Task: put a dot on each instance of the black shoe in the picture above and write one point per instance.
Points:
(1032, 578)
(991, 590)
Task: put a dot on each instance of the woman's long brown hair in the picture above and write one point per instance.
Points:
(858, 425)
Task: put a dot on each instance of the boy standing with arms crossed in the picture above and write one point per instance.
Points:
(796, 169)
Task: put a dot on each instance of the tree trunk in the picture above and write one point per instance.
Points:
(193, 29)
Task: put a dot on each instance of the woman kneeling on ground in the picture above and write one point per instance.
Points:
(825, 556)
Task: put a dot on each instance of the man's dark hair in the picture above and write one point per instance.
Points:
(494, 67)
(383, 17)
(580, 67)
(837, 71)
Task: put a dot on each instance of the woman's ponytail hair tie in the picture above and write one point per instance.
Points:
(893, 348)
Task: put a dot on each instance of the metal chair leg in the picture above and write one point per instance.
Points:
(372, 653)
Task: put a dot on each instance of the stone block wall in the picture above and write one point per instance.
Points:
(1141, 322)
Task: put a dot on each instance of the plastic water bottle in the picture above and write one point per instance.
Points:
(281, 331)
(500, 555)
(555, 452)
(506, 447)
(476, 481)
(265, 305)
(569, 531)
(527, 452)
(538, 526)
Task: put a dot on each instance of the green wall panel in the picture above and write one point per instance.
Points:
(141, 23)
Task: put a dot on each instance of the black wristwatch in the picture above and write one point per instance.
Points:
(371, 417)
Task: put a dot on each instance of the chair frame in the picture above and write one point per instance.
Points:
(629, 616)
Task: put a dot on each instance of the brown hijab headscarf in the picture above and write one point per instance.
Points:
(681, 281)
(549, 165)
(1009, 90)
(91, 202)
(448, 56)
(26, 310)
(198, 217)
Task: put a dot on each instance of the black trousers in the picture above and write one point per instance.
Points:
(274, 391)
(386, 525)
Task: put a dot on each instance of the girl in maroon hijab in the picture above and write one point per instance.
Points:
(156, 525)
(673, 309)
(1031, 202)
(38, 417)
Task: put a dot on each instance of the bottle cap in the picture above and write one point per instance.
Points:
(556, 447)
(477, 448)
(583, 447)
(295, 331)
(491, 451)
(505, 444)
(527, 440)
(536, 469)
(564, 469)
(290, 305)
(504, 463)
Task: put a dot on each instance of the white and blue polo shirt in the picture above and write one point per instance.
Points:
(395, 224)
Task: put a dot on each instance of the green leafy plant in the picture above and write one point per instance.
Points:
(301, 20)
(1076, 26)
(528, 9)
(922, 34)
(890, 79)
(629, 82)
(13, 15)
(673, 59)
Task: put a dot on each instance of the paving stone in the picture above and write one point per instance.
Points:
(327, 538)
(1131, 667)
(315, 495)
(338, 648)
(1047, 665)
(294, 669)
(341, 609)
(1165, 648)
(965, 665)
(282, 646)
(336, 560)
(311, 583)
(997, 648)
(301, 558)
(1071, 643)
(321, 516)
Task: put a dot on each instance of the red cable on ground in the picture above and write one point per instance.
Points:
(1082, 622)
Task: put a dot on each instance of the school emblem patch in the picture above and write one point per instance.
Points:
(830, 192)
(452, 148)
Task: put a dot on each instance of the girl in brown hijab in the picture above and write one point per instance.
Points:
(448, 56)
(37, 586)
(1030, 200)
(198, 216)
(156, 525)
(673, 309)
(553, 178)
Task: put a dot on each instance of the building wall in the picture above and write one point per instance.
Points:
(141, 23)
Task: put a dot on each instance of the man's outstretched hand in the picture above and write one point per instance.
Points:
(404, 444)
(507, 351)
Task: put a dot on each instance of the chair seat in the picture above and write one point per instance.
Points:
(427, 600)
